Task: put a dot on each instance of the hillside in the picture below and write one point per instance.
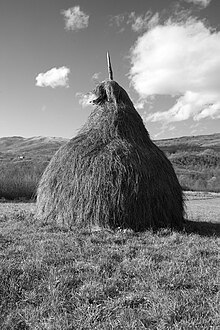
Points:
(16, 147)
(196, 160)
(39, 146)
(190, 143)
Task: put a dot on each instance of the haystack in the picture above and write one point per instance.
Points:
(111, 174)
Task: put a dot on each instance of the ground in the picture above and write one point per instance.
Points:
(203, 206)
(53, 279)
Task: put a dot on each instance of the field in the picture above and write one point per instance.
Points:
(203, 206)
(56, 279)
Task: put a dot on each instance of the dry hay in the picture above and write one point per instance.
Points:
(111, 174)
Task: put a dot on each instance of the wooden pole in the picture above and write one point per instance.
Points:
(110, 72)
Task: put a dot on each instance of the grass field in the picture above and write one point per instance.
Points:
(55, 279)
(203, 206)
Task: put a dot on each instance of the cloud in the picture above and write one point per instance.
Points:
(195, 105)
(139, 105)
(96, 77)
(182, 60)
(53, 78)
(118, 20)
(138, 23)
(143, 22)
(85, 100)
(75, 19)
(201, 3)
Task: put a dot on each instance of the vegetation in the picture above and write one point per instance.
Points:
(18, 180)
(52, 279)
(196, 161)
(22, 162)
(197, 170)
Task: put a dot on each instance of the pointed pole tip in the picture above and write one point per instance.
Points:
(110, 72)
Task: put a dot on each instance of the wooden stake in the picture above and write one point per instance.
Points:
(110, 72)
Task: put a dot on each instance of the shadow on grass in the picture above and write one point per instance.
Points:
(202, 228)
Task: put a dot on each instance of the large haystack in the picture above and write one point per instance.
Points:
(111, 174)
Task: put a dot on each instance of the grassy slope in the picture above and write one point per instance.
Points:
(196, 160)
(40, 146)
(20, 176)
(52, 279)
(191, 142)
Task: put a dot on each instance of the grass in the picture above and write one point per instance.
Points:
(19, 180)
(54, 279)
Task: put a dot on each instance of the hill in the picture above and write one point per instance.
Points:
(41, 147)
(196, 160)
(190, 143)
(17, 148)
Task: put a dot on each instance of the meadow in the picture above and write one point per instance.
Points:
(57, 279)
(54, 279)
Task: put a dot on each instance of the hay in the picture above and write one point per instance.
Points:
(111, 174)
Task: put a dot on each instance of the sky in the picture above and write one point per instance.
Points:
(165, 53)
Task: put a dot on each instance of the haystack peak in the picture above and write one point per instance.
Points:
(111, 91)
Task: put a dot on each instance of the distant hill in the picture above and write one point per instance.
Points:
(40, 146)
(196, 160)
(22, 162)
(17, 147)
(193, 143)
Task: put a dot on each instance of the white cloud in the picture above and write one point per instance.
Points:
(143, 22)
(138, 23)
(53, 78)
(202, 3)
(85, 100)
(195, 105)
(139, 105)
(180, 60)
(75, 19)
